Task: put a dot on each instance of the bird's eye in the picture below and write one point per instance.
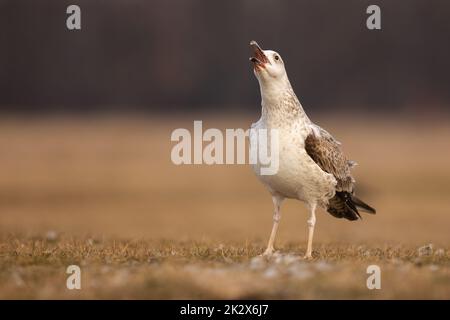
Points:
(277, 57)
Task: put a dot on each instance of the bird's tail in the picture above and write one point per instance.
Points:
(346, 205)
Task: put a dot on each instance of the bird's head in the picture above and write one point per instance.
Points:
(268, 65)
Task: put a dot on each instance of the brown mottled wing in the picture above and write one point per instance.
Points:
(326, 152)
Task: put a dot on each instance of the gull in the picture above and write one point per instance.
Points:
(312, 167)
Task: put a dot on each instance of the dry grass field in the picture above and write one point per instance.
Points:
(102, 193)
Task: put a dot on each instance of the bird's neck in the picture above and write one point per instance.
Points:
(280, 103)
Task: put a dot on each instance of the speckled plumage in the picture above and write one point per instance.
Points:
(299, 176)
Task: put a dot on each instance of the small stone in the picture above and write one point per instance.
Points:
(51, 235)
(434, 267)
(271, 272)
(300, 271)
(285, 259)
(257, 263)
(323, 266)
(288, 259)
(220, 247)
(276, 257)
(426, 250)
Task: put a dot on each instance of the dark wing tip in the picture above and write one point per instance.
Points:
(346, 205)
(363, 206)
(341, 206)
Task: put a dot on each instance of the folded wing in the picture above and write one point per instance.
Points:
(327, 154)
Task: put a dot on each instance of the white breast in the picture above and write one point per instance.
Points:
(298, 176)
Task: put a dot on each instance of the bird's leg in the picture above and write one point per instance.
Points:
(276, 219)
(311, 223)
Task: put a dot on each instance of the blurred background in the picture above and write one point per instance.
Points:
(86, 116)
(182, 55)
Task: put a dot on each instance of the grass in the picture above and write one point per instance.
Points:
(103, 194)
(121, 269)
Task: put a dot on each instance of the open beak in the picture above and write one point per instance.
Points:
(258, 58)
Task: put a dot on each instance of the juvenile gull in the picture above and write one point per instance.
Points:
(312, 166)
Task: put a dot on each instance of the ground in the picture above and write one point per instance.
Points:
(103, 194)
(35, 268)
